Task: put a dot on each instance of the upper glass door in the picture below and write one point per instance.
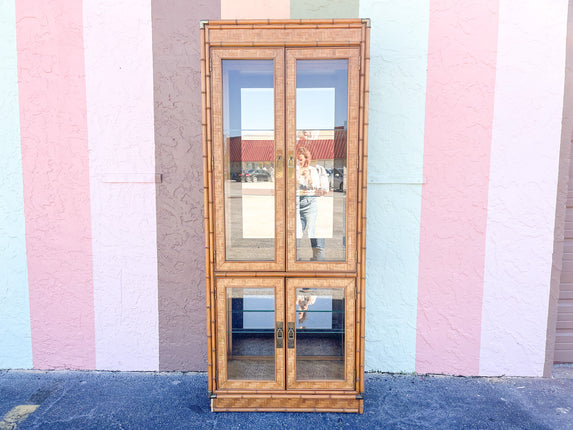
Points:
(322, 157)
(248, 134)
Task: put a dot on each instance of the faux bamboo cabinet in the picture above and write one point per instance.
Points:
(285, 108)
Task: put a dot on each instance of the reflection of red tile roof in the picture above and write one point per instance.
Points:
(263, 150)
(251, 150)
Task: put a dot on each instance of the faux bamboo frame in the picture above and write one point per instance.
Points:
(339, 33)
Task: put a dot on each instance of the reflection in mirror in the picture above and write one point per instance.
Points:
(321, 123)
(250, 333)
(249, 170)
(320, 334)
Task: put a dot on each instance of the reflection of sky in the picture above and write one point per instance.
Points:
(238, 75)
(258, 319)
(315, 108)
(319, 319)
(325, 74)
(257, 109)
(249, 103)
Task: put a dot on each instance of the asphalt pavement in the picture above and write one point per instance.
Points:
(175, 400)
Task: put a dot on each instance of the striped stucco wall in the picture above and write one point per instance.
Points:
(399, 42)
(101, 218)
(523, 187)
(119, 84)
(15, 336)
(461, 76)
(55, 164)
(179, 196)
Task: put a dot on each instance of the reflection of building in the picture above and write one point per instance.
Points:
(250, 154)
(256, 154)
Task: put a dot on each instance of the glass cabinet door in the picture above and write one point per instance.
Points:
(322, 150)
(320, 335)
(248, 155)
(250, 333)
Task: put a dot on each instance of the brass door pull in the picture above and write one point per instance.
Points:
(280, 335)
(290, 335)
(290, 165)
(279, 166)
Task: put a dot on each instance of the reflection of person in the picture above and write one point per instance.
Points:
(302, 303)
(309, 188)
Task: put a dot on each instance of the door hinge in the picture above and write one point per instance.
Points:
(210, 64)
(214, 257)
(360, 62)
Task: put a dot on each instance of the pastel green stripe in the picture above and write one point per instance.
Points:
(399, 49)
(320, 9)
(15, 334)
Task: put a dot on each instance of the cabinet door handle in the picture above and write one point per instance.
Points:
(290, 335)
(279, 166)
(290, 165)
(280, 335)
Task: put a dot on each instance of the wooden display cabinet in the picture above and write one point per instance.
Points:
(285, 108)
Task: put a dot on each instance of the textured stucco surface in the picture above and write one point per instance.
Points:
(399, 47)
(255, 9)
(459, 116)
(56, 182)
(179, 152)
(119, 82)
(523, 187)
(315, 9)
(15, 337)
(561, 202)
(95, 126)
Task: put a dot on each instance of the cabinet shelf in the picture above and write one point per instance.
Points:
(240, 311)
(319, 331)
(318, 311)
(252, 331)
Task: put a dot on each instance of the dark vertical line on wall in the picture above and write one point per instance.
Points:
(179, 196)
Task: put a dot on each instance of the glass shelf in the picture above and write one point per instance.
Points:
(319, 331)
(240, 311)
(312, 311)
(251, 331)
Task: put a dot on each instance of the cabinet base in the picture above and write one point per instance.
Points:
(287, 403)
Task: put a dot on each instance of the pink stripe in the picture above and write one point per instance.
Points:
(56, 182)
(459, 116)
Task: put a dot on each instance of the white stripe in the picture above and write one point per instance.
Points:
(523, 186)
(119, 82)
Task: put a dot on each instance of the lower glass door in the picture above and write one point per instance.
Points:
(250, 333)
(320, 335)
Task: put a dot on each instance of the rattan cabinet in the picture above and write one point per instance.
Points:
(285, 108)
